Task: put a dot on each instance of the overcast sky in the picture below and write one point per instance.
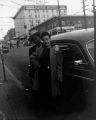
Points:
(8, 9)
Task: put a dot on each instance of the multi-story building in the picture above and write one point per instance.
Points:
(29, 16)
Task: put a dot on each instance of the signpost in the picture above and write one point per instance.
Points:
(3, 68)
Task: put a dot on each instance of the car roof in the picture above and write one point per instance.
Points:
(81, 36)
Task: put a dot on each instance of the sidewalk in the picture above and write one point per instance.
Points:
(12, 99)
(5, 106)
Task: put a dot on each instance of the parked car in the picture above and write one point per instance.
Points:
(75, 53)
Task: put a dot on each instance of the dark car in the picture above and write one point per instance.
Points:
(74, 53)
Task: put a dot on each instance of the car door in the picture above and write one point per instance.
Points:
(78, 75)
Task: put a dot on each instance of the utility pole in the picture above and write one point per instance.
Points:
(59, 19)
(94, 12)
(85, 20)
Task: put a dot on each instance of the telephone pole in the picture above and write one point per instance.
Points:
(94, 13)
(59, 19)
(85, 20)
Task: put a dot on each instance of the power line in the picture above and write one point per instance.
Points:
(5, 17)
(16, 3)
(8, 6)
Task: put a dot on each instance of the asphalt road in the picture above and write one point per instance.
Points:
(15, 104)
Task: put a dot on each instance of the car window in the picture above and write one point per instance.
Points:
(70, 53)
(90, 48)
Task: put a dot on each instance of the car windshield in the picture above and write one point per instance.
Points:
(90, 48)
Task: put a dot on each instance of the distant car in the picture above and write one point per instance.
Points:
(5, 49)
(0, 45)
(26, 43)
(74, 53)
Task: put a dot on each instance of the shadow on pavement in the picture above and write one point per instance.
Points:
(56, 106)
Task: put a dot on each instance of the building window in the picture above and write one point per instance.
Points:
(55, 24)
(38, 16)
(63, 23)
(44, 16)
(38, 11)
(47, 11)
(35, 11)
(38, 21)
(35, 16)
(47, 16)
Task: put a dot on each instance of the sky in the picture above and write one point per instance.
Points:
(8, 8)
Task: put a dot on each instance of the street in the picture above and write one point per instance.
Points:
(15, 104)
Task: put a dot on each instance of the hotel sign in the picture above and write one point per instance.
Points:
(46, 7)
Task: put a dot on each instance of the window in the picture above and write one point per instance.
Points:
(36, 21)
(44, 16)
(38, 11)
(35, 16)
(63, 23)
(35, 11)
(70, 54)
(43, 11)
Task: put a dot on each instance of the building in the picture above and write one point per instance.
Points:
(29, 16)
(68, 22)
(10, 34)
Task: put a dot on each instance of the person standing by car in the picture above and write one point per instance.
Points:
(42, 55)
(35, 43)
(18, 43)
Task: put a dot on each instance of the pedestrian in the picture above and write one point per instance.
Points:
(11, 45)
(18, 43)
(35, 43)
